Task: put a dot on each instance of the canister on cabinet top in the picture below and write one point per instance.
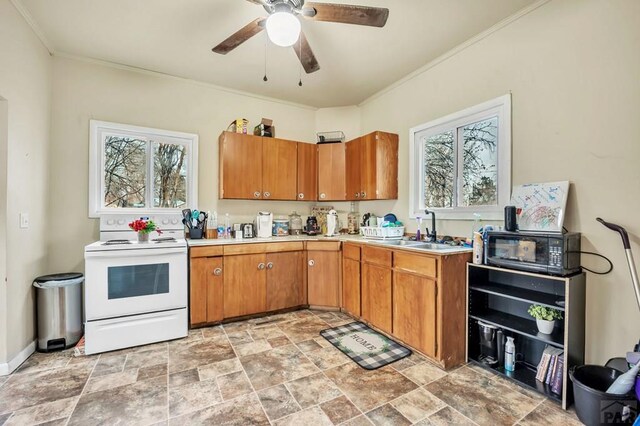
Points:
(280, 227)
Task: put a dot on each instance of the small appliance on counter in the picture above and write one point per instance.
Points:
(280, 227)
(543, 252)
(295, 224)
(264, 224)
(332, 223)
(247, 230)
(312, 227)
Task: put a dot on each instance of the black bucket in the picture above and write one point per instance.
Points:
(594, 406)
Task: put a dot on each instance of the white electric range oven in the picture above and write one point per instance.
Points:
(135, 292)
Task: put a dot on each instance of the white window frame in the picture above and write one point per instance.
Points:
(500, 107)
(96, 166)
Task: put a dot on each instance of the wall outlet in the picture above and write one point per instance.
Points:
(24, 220)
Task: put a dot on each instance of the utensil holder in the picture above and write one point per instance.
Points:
(195, 234)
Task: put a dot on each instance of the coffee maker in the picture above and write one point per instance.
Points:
(488, 343)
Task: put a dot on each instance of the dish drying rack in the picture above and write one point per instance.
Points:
(378, 233)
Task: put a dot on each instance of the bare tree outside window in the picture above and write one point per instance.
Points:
(439, 176)
(170, 175)
(124, 172)
(479, 168)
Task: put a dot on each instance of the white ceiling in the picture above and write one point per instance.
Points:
(176, 36)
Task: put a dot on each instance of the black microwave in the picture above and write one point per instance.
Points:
(547, 253)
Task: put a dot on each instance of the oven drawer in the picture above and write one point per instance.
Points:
(125, 332)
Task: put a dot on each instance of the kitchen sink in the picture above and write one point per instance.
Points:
(405, 243)
(433, 246)
(416, 244)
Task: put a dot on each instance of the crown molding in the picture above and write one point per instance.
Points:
(459, 48)
(33, 24)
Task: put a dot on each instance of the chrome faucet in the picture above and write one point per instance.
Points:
(431, 236)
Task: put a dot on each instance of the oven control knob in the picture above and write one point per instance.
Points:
(165, 221)
(110, 222)
(120, 221)
(174, 221)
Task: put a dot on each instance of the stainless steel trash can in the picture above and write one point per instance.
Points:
(59, 310)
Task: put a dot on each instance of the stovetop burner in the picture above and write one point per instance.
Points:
(115, 242)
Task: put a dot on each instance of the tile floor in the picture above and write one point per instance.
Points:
(269, 371)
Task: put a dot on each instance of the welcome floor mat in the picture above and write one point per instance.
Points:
(368, 348)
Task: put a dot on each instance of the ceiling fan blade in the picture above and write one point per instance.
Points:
(305, 54)
(239, 37)
(346, 14)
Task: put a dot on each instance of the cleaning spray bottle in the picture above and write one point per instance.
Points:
(509, 355)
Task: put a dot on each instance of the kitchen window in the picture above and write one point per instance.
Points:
(461, 164)
(140, 170)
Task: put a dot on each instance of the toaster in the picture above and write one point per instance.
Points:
(247, 230)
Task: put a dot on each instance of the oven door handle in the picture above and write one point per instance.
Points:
(136, 252)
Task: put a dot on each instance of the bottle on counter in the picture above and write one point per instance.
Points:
(509, 355)
(227, 226)
(353, 220)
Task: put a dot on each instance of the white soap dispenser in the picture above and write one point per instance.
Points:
(509, 355)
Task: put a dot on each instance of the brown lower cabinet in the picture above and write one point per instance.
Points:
(351, 279)
(285, 280)
(376, 296)
(323, 274)
(414, 311)
(206, 294)
(245, 284)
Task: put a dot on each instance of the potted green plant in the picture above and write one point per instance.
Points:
(545, 317)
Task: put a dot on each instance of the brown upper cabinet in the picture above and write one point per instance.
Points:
(331, 172)
(372, 167)
(307, 171)
(259, 168)
(253, 167)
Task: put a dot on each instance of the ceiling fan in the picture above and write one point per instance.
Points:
(283, 25)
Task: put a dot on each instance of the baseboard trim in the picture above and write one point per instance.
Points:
(8, 367)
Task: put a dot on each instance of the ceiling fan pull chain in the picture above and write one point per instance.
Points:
(300, 67)
(265, 58)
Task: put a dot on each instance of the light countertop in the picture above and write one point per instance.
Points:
(341, 237)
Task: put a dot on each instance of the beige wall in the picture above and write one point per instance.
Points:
(573, 69)
(25, 82)
(4, 125)
(84, 91)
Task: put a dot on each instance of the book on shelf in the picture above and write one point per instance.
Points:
(558, 377)
(557, 353)
(543, 364)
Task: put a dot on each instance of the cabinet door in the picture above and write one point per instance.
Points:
(323, 278)
(376, 296)
(279, 169)
(245, 285)
(307, 172)
(240, 166)
(368, 173)
(351, 286)
(386, 166)
(206, 288)
(414, 311)
(331, 172)
(284, 280)
(353, 161)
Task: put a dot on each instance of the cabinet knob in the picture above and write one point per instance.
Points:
(363, 194)
(357, 195)
(261, 266)
(301, 196)
(270, 265)
(312, 262)
(256, 194)
(267, 194)
(217, 272)
(323, 196)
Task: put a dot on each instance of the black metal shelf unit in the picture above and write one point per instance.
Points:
(501, 297)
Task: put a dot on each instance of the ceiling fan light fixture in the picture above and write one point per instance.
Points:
(283, 28)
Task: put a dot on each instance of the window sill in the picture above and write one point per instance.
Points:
(446, 214)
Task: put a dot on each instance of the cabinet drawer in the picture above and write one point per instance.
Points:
(206, 251)
(285, 246)
(375, 255)
(245, 249)
(419, 264)
(351, 251)
(323, 245)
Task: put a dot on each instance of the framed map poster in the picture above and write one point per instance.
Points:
(541, 206)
